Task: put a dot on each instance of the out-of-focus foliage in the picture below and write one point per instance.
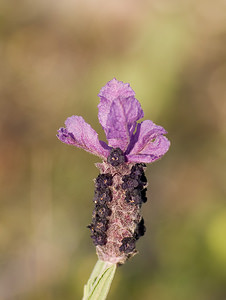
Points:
(54, 58)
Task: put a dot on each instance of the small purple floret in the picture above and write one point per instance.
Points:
(128, 245)
(102, 195)
(116, 157)
(103, 180)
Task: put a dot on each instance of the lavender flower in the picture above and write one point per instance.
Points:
(120, 188)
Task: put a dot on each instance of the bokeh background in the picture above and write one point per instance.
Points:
(54, 58)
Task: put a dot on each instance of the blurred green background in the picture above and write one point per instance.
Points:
(54, 58)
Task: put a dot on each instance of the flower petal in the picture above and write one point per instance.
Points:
(149, 144)
(82, 135)
(118, 112)
(108, 93)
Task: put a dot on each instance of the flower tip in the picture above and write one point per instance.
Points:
(115, 88)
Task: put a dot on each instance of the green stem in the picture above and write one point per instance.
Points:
(100, 281)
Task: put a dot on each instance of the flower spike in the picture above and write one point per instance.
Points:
(120, 188)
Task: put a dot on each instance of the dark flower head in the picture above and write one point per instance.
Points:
(101, 226)
(134, 197)
(103, 180)
(102, 210)
(143, 195)
(99, 238)
(140, 229)
(137, 170)
(119, 112)
(116, 157)
(129, 183)
(128, 245)
(102, 195)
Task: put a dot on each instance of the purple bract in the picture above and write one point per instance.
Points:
(119, 112)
